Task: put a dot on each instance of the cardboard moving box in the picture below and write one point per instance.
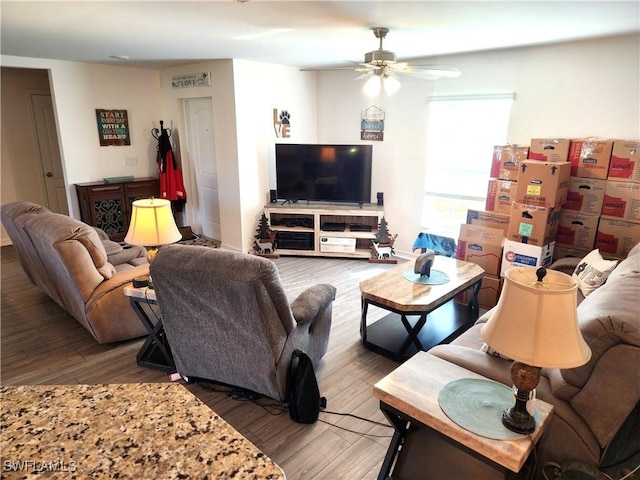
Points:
(533, 224)
(625, 161)
(506, 160)
(500, 194)
(516, 254)
(482, 246)
(563, 251)
(543, 183)
(616, 237)
(488, 219)
(585, 195)
(590, 158)
(549, 149)
(577, 230)
(489, 292)
(622, 200)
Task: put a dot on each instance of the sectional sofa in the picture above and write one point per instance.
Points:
(78, 267)
(592, 401)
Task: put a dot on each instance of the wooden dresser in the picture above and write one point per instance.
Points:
(108, 205)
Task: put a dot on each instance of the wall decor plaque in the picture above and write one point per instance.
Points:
(113, 127)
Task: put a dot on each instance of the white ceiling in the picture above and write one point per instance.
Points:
(159, 34)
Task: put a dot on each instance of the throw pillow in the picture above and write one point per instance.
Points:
(592, 271)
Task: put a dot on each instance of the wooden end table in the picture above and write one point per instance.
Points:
(421, 315)
(427, 444)
(155, 351)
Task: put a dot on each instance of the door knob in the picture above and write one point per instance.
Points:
(49, 174)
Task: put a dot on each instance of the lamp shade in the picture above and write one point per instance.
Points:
(372, 86)
(536, 322)
(391, 85)
(152, 223)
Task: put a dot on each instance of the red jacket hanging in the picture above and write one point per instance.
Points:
(171, 183)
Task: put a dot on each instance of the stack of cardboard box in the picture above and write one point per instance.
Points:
(619, 227)
(543, 186)
(603, 208)
(580, 215)
(557, 197)
(519, 224)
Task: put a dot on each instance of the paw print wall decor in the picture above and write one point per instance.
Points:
(282, 123)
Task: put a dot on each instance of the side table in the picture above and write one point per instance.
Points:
(155, 351)
(427, 444)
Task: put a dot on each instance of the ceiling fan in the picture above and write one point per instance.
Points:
(381, 68)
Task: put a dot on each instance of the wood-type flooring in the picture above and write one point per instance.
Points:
(42, 344)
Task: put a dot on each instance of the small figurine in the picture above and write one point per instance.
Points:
(382, 246)
(424, 263)
(265, 239)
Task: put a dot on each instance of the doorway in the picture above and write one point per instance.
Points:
(49, 152)
(202, 155)
(31, 159)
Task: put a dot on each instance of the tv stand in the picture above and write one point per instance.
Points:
(302, 228)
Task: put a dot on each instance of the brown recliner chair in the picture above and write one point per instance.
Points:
(227, 317)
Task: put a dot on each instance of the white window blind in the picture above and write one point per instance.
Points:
(461, 134)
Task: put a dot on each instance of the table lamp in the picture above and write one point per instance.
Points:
(152, 225)
(535, 323)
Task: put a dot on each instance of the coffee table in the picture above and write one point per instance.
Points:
(421, 315)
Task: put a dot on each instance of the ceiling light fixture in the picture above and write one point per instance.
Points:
(381, 78)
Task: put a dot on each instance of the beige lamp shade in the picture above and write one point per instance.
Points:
(536, 322)
(152, 223)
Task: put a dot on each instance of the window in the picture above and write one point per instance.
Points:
(461, 134)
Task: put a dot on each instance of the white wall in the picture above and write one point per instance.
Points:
(577, 89)
(77, 90)
(244, 94)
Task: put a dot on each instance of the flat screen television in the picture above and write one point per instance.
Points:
(327, 173)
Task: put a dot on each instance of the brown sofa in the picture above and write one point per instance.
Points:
(78, 267)
(592, 401)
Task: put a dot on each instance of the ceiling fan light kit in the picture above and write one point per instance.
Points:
(380, 65)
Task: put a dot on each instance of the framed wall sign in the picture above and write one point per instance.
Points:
(113, 127)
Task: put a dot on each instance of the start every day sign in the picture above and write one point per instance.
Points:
(113, 127)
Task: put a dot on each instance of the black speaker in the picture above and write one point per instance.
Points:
(380, 198)
(273, 198)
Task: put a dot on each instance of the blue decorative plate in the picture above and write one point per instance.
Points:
(477, 405)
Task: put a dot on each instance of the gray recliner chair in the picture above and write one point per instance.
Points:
(227, 318)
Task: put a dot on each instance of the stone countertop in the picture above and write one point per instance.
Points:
(127, 431)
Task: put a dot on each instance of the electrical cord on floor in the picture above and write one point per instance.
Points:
(272, 408)
(358, 417)
(355, 431)
(279, 408)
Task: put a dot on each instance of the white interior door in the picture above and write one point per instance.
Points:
(201, 146)
(49, 150)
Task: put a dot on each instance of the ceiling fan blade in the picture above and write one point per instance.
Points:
(324, 69)
(364, 75)
(432, 71)
(399, 67)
